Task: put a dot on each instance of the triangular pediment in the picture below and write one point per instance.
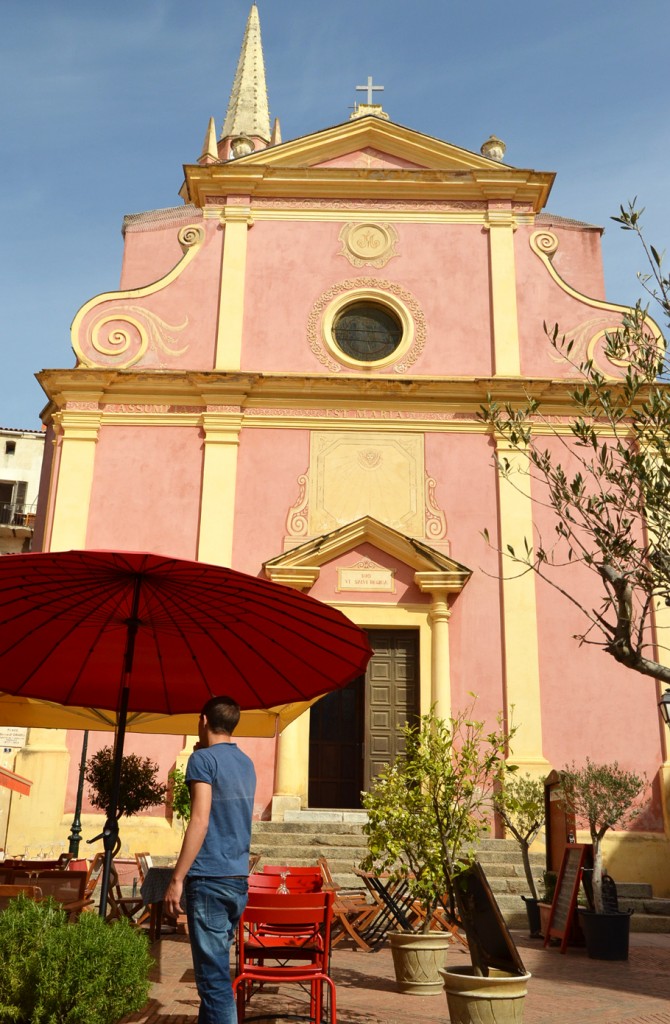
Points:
(434, 570)
(367, 158)
(385, 138)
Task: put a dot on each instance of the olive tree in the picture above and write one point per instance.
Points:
(605, 476)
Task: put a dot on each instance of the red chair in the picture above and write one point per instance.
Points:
(311, 881)
(278, 869)
(294, 931)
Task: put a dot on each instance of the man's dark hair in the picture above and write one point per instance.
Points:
(223, 714)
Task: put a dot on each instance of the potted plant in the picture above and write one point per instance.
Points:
(426, 812)
(179, 796)
(139, 790)
(520, 804)
(602, 796)
(86, 971)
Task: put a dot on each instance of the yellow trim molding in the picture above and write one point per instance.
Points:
(236, 220)
(501, 225)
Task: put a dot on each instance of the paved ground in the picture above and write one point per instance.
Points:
(565, 988)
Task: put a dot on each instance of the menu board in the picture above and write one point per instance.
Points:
(565, 897)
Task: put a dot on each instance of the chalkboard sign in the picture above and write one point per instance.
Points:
(497, 945)
(565, 896)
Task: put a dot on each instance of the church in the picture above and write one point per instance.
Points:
(288, 382)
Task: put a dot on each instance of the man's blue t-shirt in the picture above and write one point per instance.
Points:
(232, 777)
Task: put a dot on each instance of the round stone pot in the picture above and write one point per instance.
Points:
(418, 961)
(498, 999)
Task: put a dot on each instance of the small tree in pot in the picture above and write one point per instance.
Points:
(601, 796)
(520, 804)
(428, 809)
(140, 788)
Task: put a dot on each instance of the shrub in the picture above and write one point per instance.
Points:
(179, 796)
(52, 972)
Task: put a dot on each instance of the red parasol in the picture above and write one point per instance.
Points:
(127, 631)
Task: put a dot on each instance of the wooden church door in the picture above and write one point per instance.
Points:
(356, 731)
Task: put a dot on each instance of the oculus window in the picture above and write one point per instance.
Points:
(367, 331)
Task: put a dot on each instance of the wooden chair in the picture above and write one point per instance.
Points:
(10, 892)
(67, 887)
(121, 906)
(294, 932)
(253, 861)
(93, 875)
(352, 912)
(144, 861)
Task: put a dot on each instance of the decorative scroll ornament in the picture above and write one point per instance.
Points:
(589, 335)
(368, 244)
(436, 521)
(298, 516)
(110, 331)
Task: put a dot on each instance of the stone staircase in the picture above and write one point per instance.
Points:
(338, 835)
(311, 834)
(650, 914)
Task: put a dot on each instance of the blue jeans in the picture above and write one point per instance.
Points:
(213, 908)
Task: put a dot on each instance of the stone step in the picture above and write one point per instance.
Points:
(301, 842)
(634, 890)
(650, 923)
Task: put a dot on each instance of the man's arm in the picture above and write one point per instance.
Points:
(201, 804)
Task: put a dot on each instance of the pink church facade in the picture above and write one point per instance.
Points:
(287, 381)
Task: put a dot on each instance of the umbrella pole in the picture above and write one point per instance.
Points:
(110, 833)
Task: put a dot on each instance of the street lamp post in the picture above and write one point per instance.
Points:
(75, 834)
(664, 705)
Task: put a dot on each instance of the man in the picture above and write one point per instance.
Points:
(213, 864)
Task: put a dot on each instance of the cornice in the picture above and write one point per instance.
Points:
(218, 181)
(297, 400)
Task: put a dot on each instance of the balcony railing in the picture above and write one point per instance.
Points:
(14, 513)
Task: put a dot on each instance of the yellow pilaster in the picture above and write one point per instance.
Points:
(291, 789)
(501, 225)
(520, 642)
(78, 431)
(219, 475)
(662, 631)
(292, 778)
(237, 221)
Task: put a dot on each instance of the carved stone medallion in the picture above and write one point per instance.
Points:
(370, 245)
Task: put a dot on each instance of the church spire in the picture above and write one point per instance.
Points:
(248, 116)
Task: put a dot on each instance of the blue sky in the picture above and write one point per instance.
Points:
(103, 103)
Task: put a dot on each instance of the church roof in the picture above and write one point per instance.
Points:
(248, 111)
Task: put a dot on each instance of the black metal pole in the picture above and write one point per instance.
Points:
(110, 832)
(75, 833)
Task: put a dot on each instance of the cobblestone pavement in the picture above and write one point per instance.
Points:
(565, 988)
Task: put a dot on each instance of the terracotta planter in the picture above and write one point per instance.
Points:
(576, 937)
(418, 961)
(498, 999)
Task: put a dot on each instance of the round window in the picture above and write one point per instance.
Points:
(367, 332)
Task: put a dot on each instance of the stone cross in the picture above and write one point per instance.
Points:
(370, 88)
